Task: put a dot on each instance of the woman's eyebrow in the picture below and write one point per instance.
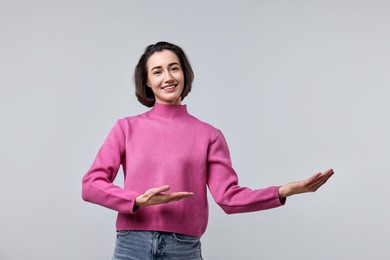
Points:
(156, 67)
(169, 65)
(173, 63)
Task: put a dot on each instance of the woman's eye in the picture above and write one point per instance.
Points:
(175, 69)
(156, 72)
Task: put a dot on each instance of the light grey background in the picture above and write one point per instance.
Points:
(296, 86)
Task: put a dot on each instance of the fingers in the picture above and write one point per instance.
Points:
(178, 196)
(171, 196)
(160, 189)
(313, 178)
(309, 185)
(329, 171)
(319, 179)
(325, 177)
(156, 196)
(155, 191)
(167, 198)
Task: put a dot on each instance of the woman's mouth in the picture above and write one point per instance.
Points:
(169, 88)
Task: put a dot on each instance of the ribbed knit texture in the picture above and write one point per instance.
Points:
(167, 145)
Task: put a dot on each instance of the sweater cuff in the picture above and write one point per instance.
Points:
(134, 208)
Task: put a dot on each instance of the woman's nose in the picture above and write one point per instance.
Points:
(168, 77)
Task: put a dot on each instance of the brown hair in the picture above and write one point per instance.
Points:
(144, 93)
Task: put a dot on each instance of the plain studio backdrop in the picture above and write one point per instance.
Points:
(297, 87)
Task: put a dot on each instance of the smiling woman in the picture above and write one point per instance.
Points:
(168, 149)
(165, 77)
(154, 59)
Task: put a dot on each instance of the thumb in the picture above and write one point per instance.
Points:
(163, 188)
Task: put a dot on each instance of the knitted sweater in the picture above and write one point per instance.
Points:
(167, 145)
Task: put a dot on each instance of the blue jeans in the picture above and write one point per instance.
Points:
(155, 245)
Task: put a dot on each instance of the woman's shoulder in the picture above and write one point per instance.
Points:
(135, 116)
(205, 126)
(127, 121)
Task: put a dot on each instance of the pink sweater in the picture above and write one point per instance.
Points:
(166, 145)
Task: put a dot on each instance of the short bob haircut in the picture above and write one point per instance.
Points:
(144, 93)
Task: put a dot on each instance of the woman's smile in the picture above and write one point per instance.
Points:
(165, 77)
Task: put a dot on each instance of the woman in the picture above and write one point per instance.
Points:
(167, 149)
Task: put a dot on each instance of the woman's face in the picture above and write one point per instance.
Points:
(165, 77)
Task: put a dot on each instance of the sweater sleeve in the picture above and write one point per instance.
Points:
(223, 184)
(97, 183)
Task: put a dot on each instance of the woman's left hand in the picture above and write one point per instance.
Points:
(309, 185)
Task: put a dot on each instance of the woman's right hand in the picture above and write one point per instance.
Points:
(156, 196)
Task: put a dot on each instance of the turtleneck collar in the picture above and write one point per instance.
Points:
(168, 111)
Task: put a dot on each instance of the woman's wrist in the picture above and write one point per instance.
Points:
(283, 193)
